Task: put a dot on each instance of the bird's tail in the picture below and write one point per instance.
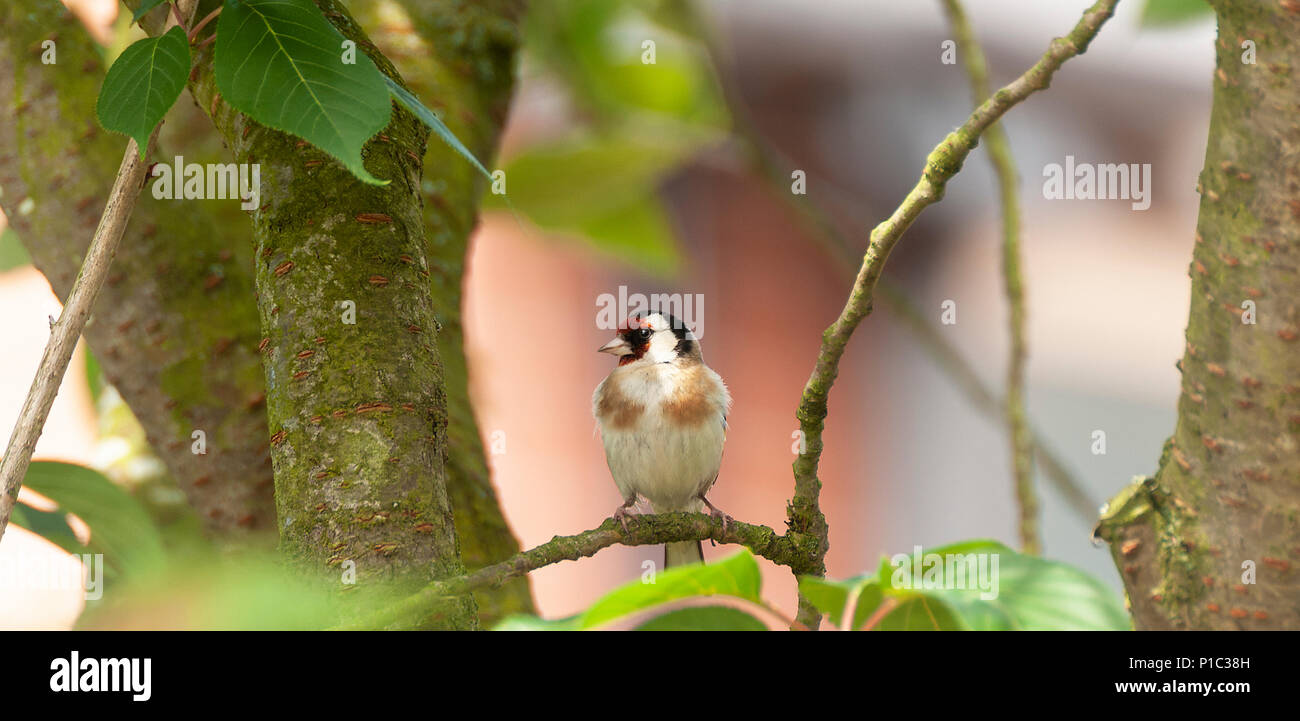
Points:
(681, 553)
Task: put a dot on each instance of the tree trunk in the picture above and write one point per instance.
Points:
(356, 406)
(1213, 540)
(458, 56)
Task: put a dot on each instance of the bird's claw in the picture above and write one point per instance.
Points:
(621, 514)
(717, 513)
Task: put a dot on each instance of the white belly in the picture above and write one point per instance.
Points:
(671, 468)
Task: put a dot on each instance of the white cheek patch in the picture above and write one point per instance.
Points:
(663, 347)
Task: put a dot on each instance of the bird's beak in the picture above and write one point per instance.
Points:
(618, 347)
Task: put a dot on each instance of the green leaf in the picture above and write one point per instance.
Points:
(142, 85)
(12, 253)
(281, 63)
(1036, 594)
(737, 575)
(427, 116)
(706, 618)
(1031, 594)
(50, 525)
(119, 526)
(1170, 12)
(145, 7)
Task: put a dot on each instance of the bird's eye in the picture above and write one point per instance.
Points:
(644, 333)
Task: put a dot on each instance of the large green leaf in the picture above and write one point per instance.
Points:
(119, 526)
(281, 63)
(737, 575)
(142, 85)
(1031, 594)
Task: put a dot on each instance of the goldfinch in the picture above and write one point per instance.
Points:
(662, 416)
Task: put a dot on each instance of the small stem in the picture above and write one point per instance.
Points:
(67, 329)
(176, 13)
(204, 22)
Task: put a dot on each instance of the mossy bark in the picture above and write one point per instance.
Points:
(458, 56)
(357, 411)
(1226, 498)
(182, 365)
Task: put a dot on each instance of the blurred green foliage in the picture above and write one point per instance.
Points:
(633, 123)
(119, 526)
(12, 253)
(1170, 12)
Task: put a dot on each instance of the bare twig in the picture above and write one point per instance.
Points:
(999, 148)
(806, 518)
(67, 329)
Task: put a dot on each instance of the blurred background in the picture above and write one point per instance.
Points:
(675, 177)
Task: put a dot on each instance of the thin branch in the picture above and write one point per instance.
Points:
(999, 150)
(943, 163)
(935, 343)
(641, 530)
(832, 241)
(67, 329)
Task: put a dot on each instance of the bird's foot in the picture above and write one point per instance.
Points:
(622, 513)
(718, 514)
